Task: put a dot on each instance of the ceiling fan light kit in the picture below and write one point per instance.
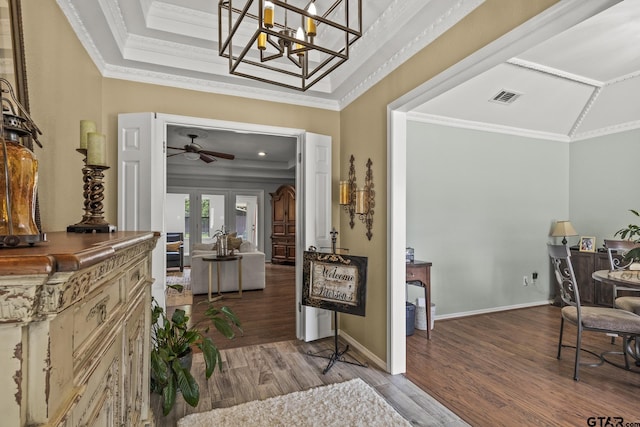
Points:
(290, 43)
(194, 151)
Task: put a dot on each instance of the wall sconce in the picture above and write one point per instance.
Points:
(360, 201)
(366, 200)
(348, 192)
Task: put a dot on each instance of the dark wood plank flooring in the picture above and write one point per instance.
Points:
(500, 369)
(497, 369)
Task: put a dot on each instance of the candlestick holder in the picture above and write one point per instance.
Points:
(93, 191)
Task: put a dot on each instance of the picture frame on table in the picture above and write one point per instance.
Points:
(587, 244)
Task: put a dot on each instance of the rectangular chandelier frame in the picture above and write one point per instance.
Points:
(283, 41)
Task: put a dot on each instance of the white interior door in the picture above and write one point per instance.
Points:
(314, 225)
(142, 185)
(142, 190)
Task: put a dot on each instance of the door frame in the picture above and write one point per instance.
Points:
(552, 21)
(130, 213)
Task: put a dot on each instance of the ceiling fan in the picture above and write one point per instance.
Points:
(194, 151)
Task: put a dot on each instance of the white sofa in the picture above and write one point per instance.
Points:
(253, 270)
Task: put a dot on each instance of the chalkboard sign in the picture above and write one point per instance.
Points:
(335, 282)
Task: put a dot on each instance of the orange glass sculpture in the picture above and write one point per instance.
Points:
(18, 173)
(18, 179)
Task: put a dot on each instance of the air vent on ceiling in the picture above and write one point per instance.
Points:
(505, 97)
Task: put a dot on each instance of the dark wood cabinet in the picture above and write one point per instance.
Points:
(283, 225)
(591, 291)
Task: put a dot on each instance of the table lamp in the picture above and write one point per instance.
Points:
(564, 229)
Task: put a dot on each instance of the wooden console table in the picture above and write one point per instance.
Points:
(75, 316)
(420, 272)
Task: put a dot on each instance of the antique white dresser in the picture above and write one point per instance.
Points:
(74, 330)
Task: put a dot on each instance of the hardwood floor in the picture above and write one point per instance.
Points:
(267, 315)
(501, 369)
(497, 369)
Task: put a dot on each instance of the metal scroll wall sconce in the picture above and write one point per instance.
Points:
(359, 201)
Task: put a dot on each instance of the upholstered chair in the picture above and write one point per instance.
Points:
(596, 319)
(628, 303)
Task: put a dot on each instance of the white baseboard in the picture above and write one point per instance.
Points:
(491, 310)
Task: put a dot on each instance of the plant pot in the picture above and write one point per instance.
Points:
(186, 360)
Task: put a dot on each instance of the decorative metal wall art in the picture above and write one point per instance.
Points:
(360, 201)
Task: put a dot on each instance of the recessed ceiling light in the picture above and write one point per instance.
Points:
(261, 153)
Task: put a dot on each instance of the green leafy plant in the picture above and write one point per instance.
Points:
(172, 342)
(631, 232)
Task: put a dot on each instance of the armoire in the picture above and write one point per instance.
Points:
(283, 225)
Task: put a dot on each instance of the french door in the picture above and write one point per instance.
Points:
(142, 194)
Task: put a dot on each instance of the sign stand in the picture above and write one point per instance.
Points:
(337, 355)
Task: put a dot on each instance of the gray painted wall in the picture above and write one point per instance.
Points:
(604, 173)
(481, 206)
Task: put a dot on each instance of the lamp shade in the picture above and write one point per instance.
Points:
(563, 229)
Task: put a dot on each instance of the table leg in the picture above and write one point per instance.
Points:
(427, 297)
(240, 277)
(209, 293)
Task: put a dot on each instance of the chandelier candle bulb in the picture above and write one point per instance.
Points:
(311, 23)
(96, 149)
(299, 36)
(86, 127)
(262, 41)
(268, 14)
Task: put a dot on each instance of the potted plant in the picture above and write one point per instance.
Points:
(171, 350)
(631, 232)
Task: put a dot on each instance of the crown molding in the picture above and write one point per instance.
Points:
(485, 127)
(209, 86)
(397, 16)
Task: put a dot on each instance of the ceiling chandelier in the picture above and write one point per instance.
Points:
(290, 43)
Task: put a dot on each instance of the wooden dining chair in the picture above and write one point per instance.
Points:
(628, 303)
(596, 319)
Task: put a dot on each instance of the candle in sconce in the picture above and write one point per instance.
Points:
(96, 149)
(344, 193)
(86, 127)
(361, 201)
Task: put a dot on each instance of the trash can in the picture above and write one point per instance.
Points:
(421, 317)
(411, 318)
(433, 314)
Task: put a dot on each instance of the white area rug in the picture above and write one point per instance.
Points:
(351, 403)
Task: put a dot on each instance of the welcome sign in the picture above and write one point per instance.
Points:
(335, 282)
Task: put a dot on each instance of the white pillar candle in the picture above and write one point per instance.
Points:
(86, 126)
(96, 149)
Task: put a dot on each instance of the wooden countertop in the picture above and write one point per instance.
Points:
(67, 252)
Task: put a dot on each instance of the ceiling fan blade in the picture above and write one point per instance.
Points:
(216, 154)
(176, 148)
(174, 154)
(205, 158)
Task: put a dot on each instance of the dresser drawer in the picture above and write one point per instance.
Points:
(417, 272)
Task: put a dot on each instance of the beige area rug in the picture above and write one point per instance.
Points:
(184, 297)
(351, 403)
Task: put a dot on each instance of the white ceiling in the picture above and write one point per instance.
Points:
(581, 83)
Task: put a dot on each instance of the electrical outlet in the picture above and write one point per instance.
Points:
(525, 282)
(534, 276)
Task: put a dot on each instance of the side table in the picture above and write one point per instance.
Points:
(419, 272)
(217, 260)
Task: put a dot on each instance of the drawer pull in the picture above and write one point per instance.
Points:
(99, 311)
